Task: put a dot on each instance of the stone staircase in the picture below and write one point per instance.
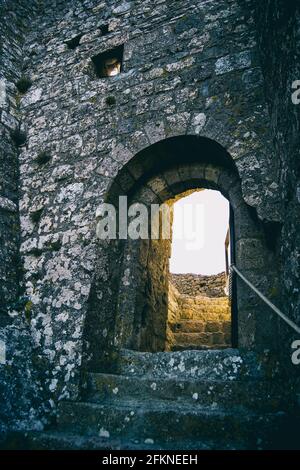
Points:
(200, 323)
(215, 399)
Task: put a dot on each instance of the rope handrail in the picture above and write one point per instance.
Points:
(267, 301)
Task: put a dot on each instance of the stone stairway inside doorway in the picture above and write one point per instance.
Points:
(215, 399)
(199, 313)
(203, 323)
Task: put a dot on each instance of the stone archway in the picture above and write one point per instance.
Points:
(156, 174)
(149, 305)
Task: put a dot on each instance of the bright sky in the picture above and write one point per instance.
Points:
(199, 231)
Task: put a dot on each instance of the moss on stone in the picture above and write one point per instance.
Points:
(19, 137)
(28, 308)
(36, 252)
(23, 84)
(43, 157)
(55, 246)
(36, 215)
(111, 100)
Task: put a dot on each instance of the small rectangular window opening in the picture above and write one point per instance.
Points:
(104, 29)
(74, 42)
(109, 63)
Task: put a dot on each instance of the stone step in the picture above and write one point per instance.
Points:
(55, 440)
(227, 364)
(204, 300)
(199, 339)
(198, 304)
(252, 394)
(203, 315)
(197, 326)
(284, 435)
(213, 309)
(161, 422)
(193, 347)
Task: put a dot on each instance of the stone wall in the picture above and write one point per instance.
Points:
(154, 300)
(190, 68)
(173, 303)
(20, 406)
(279, 34)
(278, 30)
(199, 314)
(197, 284)
(143, 297)
(14, 23)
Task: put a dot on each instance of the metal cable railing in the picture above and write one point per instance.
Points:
(264, 298)
(230, 293)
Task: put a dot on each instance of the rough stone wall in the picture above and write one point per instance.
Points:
(154, 302)
(189, 67)
(173, 303)
(194, 284)
(199, 314)
(279, 35)
(13, 27)
(186, 67)
(19, 383)
(144, 302)
(278, 28)
(99, 328)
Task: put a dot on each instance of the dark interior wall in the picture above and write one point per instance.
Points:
(99, 327)
(278, 27)
(153, 328)
(142, 310)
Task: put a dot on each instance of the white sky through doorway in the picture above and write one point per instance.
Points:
(200, 225)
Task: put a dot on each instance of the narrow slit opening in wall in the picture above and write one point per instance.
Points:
(199, 310)
(109, 63)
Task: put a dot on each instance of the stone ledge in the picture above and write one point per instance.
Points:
(8, 205)
(194, 284)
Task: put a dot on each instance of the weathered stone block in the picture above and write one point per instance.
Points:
(230, 63)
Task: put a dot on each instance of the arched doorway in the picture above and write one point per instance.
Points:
(199, 294)
(149, 306)
(134, 311)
